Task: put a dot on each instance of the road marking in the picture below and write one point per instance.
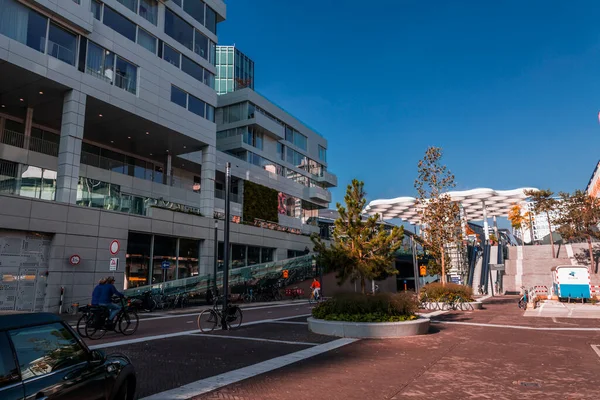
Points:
(183, 333)
(255, 339)
(149, 318)
(596, 348)
(532, 328)
(213, 383)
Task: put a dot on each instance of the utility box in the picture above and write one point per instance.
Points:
(571, 282)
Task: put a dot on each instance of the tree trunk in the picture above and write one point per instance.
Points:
(551, 238)
(443, 268)
(362, 284)
(522, 237)
(592, 264)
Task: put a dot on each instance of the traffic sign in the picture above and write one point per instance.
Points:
(74, 259)
(422, 270)
(286, 274)
(114, 247)
(114, 264)
(165, 265)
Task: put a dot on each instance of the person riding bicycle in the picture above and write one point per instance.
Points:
(102, 294)
(316, 288)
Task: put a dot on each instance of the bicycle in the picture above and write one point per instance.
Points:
(480, 290)
(314, 299)
(125, 322)
(82, 321)
(249, 297)
(460, 303)
(208, 319)
(523, 301)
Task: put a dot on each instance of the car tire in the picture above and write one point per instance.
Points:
(126, 391)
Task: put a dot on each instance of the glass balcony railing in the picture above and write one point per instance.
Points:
(37, 145)
(220, 194)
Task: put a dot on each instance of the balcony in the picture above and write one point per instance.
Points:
(317, 193)
(276, 130)
(37, 145)
(327, 179)
(220, 194)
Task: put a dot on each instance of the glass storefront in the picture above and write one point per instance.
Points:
(242, 255)
(165, 252)
(137, 261)
(188, 258)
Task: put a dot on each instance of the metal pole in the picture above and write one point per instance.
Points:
(216, 250)
(226, 246)
(413, 246)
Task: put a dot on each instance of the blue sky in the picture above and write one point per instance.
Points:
(510, 90)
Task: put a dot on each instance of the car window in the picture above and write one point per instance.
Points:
(9, 373)
(46, 348)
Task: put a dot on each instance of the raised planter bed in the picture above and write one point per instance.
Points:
(372, 330)
(435, 306)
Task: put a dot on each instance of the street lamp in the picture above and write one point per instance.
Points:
(226, 246)
(216, 252)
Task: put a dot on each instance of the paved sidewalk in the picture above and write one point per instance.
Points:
(452, 362)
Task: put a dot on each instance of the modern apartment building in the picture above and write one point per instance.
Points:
(235, 70)
(540, 223)
(108, 149)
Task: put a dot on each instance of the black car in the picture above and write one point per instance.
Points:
(41, 357)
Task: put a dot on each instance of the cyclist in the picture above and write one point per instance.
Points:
(102, 294)
(316, 288)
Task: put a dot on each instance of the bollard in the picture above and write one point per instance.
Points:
(74, 308)
(62, 295)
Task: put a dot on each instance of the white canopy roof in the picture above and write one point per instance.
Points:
(497, 203)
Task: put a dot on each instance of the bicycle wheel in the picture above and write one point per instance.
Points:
(207, 320)
(234, 318)
(95, 328)
(128, 323)
(81, 322)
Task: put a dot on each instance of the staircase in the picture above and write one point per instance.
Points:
(531, 266)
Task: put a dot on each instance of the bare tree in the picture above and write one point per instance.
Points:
(440, 215)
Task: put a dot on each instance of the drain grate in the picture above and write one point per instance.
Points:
(530, 384)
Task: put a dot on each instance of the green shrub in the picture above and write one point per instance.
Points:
(356, 307)
(437, 292)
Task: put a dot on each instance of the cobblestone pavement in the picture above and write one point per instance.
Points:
(452, 362)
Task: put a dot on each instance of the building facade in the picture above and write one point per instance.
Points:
(234, 70)
(540, 224)
(108, 149)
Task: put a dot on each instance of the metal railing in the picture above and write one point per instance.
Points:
(220, 194)
(37, 145)
(61, 52)
(237, 276)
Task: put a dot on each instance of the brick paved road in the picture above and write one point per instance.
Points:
(453, 362)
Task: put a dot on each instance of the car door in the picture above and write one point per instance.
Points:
(55, 366)
(11, 387)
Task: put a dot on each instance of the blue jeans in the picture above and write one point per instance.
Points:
(114, 309)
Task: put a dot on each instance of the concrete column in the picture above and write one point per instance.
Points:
(207, 181)
(495, 228)
(168, 171)
(207, 254)
(29, 121)
(177, 258)
(69, 149)
(2, 124)
(485, 221)
(240, 185)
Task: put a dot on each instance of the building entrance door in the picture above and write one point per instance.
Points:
(23, 270)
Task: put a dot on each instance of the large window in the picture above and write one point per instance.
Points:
(201, 45)
(119, 23)
(211, 20)
(38, 183)
(165, 252)
(188, 258)
(137, 262)
(192, 69)
(192, 103)
(46, 348)
(131, 4)
(96, 8)
(149, 10)
(322, 153)
(253, 138)
(62, 44)
(146, 40)
(179, 30)
(295, 137)
(195, 8)
(106, 65)
(171, 55)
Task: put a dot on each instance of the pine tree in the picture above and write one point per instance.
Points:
(361, 248)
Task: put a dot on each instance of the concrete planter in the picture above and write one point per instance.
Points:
(434, 306)
(366, 330)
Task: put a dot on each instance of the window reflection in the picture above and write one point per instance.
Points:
(179, 30)
(137, 259)
(164, 252)
(46, 348)
(188, 258)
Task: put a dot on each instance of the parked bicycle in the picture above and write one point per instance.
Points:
(523, 299)
(82, 321)
(312, 299)
(209, 319)
(125, 322)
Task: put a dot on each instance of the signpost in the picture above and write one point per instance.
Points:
(497, 267)
(165, 265)
(114, 264)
